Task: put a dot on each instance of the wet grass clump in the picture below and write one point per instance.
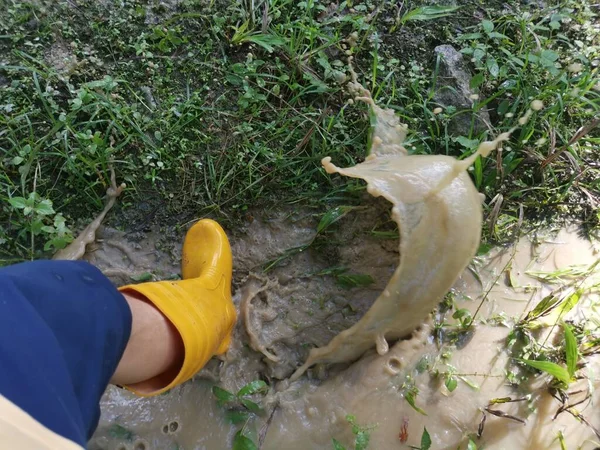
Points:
(217, 108)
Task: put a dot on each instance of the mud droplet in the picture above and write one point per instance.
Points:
(537, 105)
(381, 344)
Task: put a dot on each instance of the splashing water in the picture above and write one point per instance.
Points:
(439, 215)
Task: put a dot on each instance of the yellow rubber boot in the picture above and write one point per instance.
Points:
(200, 305)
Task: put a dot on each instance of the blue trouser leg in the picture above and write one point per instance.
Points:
(63, 330)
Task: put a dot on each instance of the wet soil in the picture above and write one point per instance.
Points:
(310, 412)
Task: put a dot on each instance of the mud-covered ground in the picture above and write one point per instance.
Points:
(295, 309)
(286, 310)
(299, 304)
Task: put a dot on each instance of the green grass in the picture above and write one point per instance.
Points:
(218, 108)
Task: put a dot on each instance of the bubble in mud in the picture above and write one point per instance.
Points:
(173, 426)
(165, 429)
(393, 365)
(140, 445)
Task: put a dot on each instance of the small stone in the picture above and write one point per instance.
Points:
(453, 90)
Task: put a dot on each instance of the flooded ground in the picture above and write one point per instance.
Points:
(298, 310)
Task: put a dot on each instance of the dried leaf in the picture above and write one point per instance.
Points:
(498, 413)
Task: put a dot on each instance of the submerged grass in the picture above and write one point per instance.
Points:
(217, 108)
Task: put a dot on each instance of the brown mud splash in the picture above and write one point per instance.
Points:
(439, 215)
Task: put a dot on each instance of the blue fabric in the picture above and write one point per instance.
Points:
(63, 330)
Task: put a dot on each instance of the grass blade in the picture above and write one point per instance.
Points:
(332, 216)
(543, 307)
(410, 398)
(566, 304)
(349, 281)
(558, 372)
(561, 439)
(572, 353)
(266, 41)
(428, 13)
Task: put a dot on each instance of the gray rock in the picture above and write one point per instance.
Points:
(453, 89)
(159, 10)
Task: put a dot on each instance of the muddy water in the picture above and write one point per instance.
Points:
(439, 214)
(309, 412)
(373, 388)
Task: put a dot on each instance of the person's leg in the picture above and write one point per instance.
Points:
(154, 347)
(63, 329)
